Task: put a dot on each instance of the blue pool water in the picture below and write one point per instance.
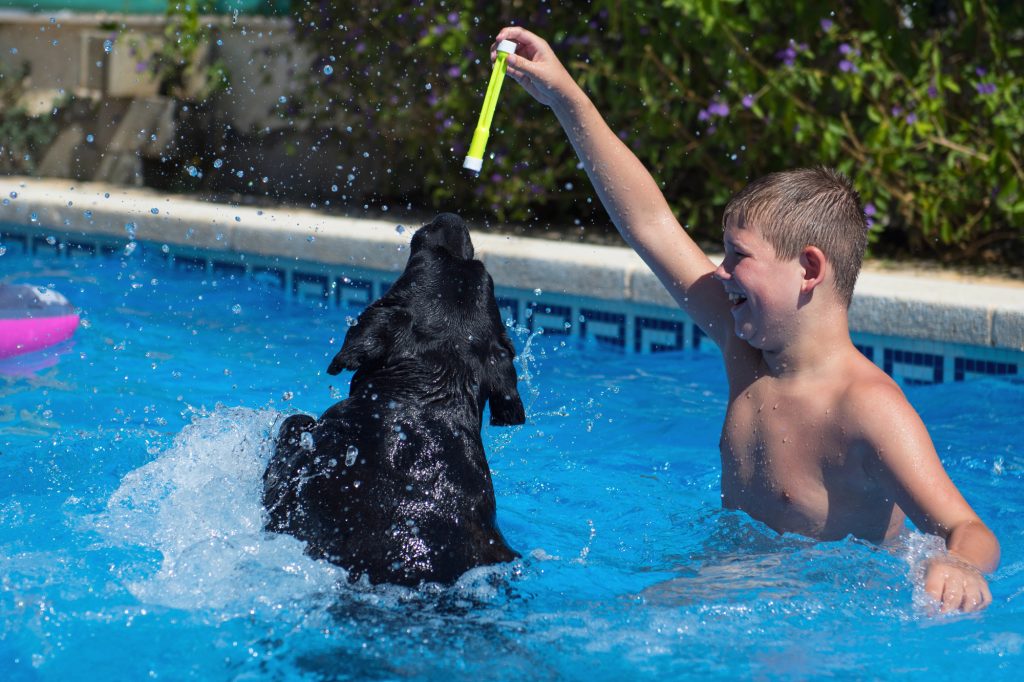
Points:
(131, 548)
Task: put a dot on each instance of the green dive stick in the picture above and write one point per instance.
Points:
(475, 158)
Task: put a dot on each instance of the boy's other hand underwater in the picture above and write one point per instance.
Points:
(817, 439)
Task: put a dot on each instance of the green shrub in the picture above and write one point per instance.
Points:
(919, 102)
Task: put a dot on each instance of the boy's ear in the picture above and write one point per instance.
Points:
(379, 328)
(813, 262)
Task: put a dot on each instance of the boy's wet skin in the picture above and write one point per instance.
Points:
(817, 440)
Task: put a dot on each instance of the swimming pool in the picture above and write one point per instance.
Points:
(130, 542)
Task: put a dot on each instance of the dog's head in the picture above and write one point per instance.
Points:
(441, 310)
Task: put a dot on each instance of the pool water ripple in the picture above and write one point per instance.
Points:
(130, 522)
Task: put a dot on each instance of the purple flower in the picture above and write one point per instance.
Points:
(703, 115)
(496, 177)
(846, 66)
(869, 209)
(748, 101)
(933, 92)
(981, 71)
(896, 111)
(985, 88)
(454, 72)
(845, 48)
(911, 118)
(360, 48)
(787, 56)
(826, 25)
(718, 109)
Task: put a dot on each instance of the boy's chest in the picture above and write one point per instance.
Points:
(787, 462)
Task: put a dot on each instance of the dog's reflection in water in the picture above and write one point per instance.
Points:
(393, 483)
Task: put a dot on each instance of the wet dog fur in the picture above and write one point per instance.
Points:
(393, 482)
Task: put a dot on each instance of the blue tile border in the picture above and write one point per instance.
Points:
(618, 325)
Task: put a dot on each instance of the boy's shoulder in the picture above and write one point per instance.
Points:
(873, 405)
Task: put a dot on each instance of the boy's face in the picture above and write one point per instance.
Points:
(764, 291)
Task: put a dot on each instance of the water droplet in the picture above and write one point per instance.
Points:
(3, 249)
(193, 171)
(90, 138)
(154, 211)
(237, 310)
(238, 219)
(14, 195)
(356, 484)
(351, 321)
(287, 395)
(328, 70)
(282, 99)
(108, 45)
(310, 238)
(306, 441)
(350, 455)
(217, 163)
(537, 292)
(399, 229)
(130, 229)
(88, 215)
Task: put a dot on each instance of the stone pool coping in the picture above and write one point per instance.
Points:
(893, 303)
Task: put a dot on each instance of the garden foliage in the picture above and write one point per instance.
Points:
(920, 103)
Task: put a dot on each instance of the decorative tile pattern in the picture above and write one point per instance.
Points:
(310, 287)
(698, 335)
(555, 320)
(603, 327)
(966, 368)
(227, 270)
(655, 335)
(270, 275)
(354, 293)
(614, 324)
(187, 263)
(913, 368)
(509, 310)
(15, 242)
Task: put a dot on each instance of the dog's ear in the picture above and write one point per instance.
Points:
(370, 340)
(500, 382)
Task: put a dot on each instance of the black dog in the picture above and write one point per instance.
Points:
(393, 483)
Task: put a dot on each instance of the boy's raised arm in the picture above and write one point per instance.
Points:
(629, 194)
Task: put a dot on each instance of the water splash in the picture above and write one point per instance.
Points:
(199, 505)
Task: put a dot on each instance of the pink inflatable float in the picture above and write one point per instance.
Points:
(32, 318)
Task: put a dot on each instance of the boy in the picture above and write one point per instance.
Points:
(817, 440)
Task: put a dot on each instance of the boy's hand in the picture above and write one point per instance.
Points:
(956, 585)
(535, 66)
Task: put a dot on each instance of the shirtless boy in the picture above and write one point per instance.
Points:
(817, 440)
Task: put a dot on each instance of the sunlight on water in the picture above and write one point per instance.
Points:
(131, 519)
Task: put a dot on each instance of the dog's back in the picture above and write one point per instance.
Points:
(393, 482)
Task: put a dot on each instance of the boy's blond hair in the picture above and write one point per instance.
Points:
(807, 207)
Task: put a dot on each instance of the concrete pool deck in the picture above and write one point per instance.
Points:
(904, 303)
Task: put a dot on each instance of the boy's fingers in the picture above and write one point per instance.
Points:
(952, 595)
